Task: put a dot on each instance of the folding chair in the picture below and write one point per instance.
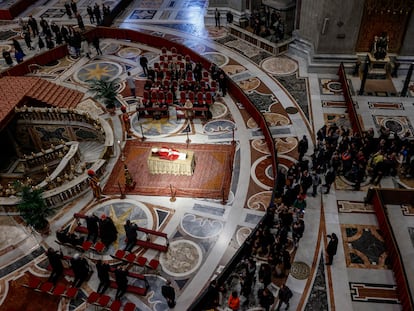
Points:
(153, 265)
(93, 298)
(115, 305)
(103, 301)
(59, 290)
(129, 306)
(34, 283)
(47, 287)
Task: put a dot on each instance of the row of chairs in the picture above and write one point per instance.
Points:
(167, 98)
(105, 302)
(139, 261)
(173, 85)
(47, 287)
(173, 53)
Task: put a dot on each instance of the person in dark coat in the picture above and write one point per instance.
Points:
(92, 224)
(213, 294)
(55, 261)
(96, 44)
(80, 269)
(284, 296)
(121, 279)
(143, 61)
(298, 228)
(266, 298)
(169, 294)
(103, 274)
(329, 179)
(68, 10)
(80, 21)
(331, 248)
(302, 147)
(222, 81)
(265, 274)
(33, 25)
(108, 232)
(97, 13)
(26, 35)
(90, 13)
(131, 235)
(7, 57)
(65, 33)
(74, 7)
(18, 47)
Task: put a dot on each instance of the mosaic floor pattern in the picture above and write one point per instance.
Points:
(364, 247)
(354, 207)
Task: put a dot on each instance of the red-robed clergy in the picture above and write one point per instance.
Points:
(166, 153)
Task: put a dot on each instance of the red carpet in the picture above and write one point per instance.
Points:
(211, 178)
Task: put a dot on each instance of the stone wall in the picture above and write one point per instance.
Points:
(331, 25)
(407, 47)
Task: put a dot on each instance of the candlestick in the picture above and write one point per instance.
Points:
(188, 139)
(142, 133)
(172, 199)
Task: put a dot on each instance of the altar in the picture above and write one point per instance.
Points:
(157, 165)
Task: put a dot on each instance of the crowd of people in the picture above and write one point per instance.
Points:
(41, 34)
(362, 158)
(337, 152)
(268, 24)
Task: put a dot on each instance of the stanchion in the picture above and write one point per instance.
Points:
(188, 139)
(120, 190)
(142, 133)
(223, 197)
(173, 194)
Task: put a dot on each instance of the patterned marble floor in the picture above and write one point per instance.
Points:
(204, 233)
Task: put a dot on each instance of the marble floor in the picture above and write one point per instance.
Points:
(205, 233)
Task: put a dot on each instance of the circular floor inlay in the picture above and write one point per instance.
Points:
(183, 258)
(393, 126)
(97, 71)
(280, 65)
(292, 110)
(300, 270)
(334, 86)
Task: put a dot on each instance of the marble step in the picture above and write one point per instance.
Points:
(90, 150)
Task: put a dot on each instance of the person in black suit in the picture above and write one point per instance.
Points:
(103, 274)
(169, 294)
(131, 234)
(55, 260)
(92, 224)
(143, 61)
(121, 274)
(108, 232)
(331, 248)
(80, 269)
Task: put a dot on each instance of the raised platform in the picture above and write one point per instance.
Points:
(211, 177)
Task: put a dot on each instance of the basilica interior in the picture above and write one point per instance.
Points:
(290, 67)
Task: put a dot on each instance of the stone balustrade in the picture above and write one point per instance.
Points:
(66, 168)
(45, 157)
(61, 195)
(275, 48)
